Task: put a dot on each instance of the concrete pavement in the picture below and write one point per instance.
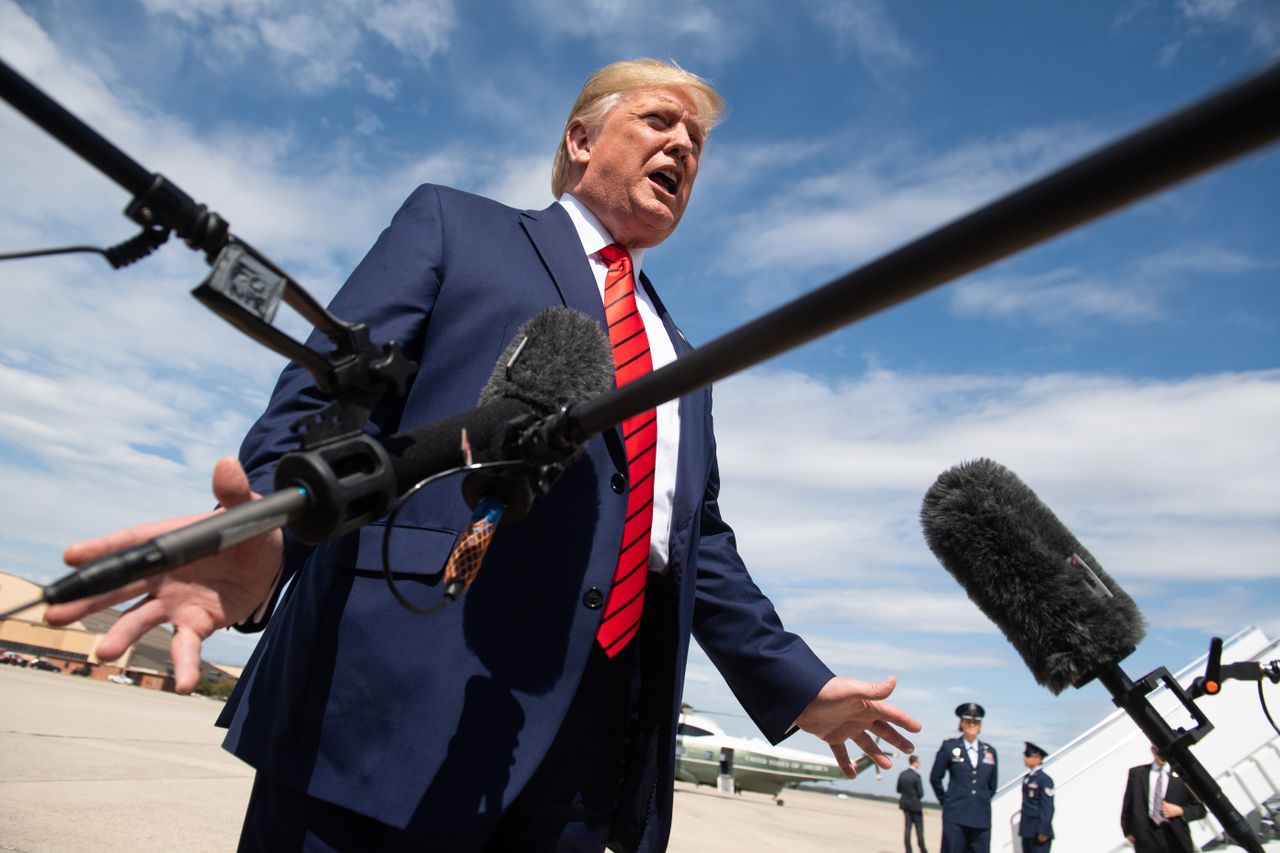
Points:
(90, 765)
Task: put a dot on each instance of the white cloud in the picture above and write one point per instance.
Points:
(318, 46)
(848, 214)
(1058, 298)
(866, 25)
(662, 28)
(1221, 612)
(877, 659)
(1133, 294)
(927, 609)
(1203, 259)
(417, 28)
(1257, 20)
(1167, 479)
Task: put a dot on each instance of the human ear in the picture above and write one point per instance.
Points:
(577, 141)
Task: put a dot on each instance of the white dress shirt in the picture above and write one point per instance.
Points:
(594, 237)
(1156, 772)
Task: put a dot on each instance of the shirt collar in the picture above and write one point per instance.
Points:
(591, 233)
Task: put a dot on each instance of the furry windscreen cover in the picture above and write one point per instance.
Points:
(1066, 617)
(559, 356)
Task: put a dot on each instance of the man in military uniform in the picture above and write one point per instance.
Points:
(1037, 803)
(966, 801)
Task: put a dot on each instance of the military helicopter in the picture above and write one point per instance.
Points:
(705, 755)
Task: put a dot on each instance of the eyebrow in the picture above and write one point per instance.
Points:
(651, 101)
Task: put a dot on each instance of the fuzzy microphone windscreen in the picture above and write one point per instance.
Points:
(1022, 567)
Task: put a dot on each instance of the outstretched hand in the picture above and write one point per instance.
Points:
(196, 599)
(847, 709)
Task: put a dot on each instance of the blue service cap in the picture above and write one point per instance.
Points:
(971, 711)
(1032, 749)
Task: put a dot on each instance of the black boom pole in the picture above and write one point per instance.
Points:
(157, 202)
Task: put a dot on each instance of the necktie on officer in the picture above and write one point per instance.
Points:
(631, 357)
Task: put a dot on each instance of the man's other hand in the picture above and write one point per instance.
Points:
(847, 709)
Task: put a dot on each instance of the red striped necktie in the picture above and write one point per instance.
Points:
(631, 360)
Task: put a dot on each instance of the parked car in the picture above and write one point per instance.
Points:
(45, 666)
(120, 678)
(12, 658)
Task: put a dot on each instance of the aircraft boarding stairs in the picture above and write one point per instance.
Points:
(1242, 754)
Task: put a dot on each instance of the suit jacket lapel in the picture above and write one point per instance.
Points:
(556, 241)
(557, 244)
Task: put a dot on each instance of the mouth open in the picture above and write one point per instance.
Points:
(665, 180)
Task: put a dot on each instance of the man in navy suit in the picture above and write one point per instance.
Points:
(966, 800)
(910, 800)
(1036, 826)
(501, 722)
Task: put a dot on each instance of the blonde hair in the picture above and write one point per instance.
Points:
(606, 87)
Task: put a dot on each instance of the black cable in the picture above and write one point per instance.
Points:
(391, 521)
(120, 255)
(37, 253)
(1263, 699)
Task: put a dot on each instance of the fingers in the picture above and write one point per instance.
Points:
(79, 553)
(893, 736)
(59, 615)
(842, 758)
(230, 483)
(873, 693)
(876, 690)
(872, 750)
(185, 650)
(130, 627)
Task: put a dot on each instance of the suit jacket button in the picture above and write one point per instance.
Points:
(618, 483)
(593, 598)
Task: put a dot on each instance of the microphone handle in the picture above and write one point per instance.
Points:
(1174, 747)
(176, 548)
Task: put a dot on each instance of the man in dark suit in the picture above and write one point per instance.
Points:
(911, 796)
(966, 800)
(1157, 807)
(1036, 825)
(522, 717)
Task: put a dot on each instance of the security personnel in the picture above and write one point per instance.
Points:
(1037, 803)
(966, 801)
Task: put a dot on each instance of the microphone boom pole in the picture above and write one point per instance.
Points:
(1195, 139)
(1175, 746)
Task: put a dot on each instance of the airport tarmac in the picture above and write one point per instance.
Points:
(87, 765)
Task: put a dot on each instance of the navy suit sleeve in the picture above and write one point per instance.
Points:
(939, 770)
(995, 767)
(392, 291)
(772, 672)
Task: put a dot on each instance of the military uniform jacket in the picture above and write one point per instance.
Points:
(966, 800)
(1037, 804)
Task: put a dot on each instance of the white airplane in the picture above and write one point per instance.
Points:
(704, 753)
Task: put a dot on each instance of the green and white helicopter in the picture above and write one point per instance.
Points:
(705, 755)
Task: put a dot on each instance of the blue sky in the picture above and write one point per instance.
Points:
(1129, 372)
